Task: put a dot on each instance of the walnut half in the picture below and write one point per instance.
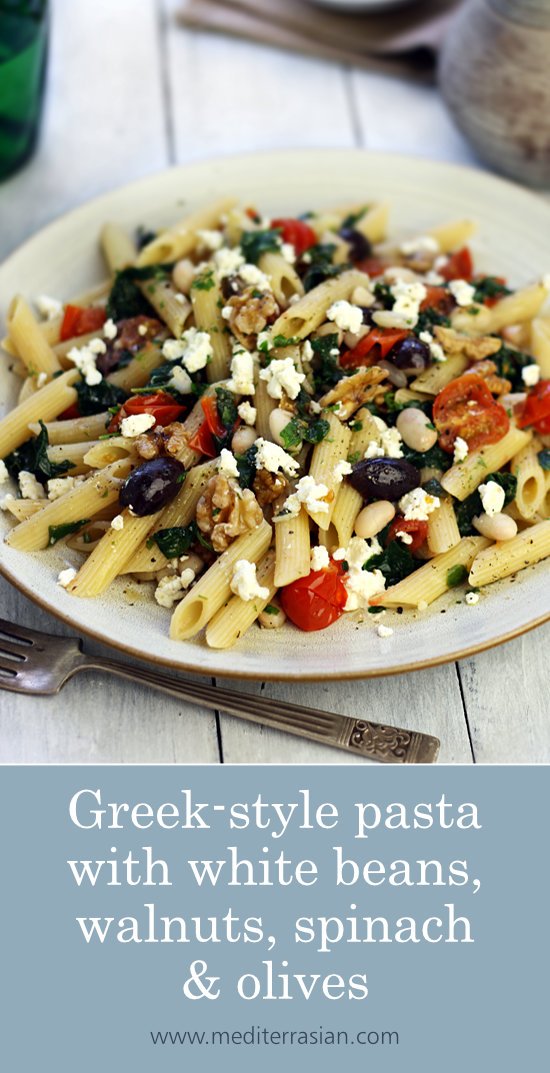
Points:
(225, 511)
(354, 391)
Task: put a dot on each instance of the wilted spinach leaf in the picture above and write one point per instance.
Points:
(472, 506)
(57, 532)
(94, 398)
(32, 456)
(255, 243)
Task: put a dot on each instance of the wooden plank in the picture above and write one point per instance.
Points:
(506, 694)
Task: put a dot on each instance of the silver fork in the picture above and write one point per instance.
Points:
(37, 663)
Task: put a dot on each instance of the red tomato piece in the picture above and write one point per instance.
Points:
(459, 265)
(536, 409)
(373, 266)
(372, 347)
(203, 442)
(210, 410)
(297, 232)
(162, 406)
(316, 601)
(70, 412)
(466, 408)
(416, 529)
(438, 298)
(78, 321)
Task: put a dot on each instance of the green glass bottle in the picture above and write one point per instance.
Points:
(23, 56)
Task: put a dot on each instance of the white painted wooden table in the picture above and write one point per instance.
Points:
(130, 92)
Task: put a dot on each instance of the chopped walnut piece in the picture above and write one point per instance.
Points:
(161, 441)
(269, 486)
(497, 384)
(225, 511)
(474, 347)
(354, 391)
(251, 312)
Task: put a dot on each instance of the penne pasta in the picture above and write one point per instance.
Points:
(302, 318)
(531, 480)
(432, 579)
(323, 468)
(181, 240)
(463, 479)
(43, 405)
(172, 306)
(236, 616)
(207, 310)
(75, 429)
(506, 558)
(29, 342)
(284, 279)
(292, 547)
(119, 250)
(443, 531)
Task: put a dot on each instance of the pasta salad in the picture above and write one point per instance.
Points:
(275, 419)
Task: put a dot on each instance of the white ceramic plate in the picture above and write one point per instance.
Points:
(64, 258)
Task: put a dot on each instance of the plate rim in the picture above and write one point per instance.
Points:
(252, 675)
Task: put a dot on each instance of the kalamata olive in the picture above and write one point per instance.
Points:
(231, 286)
(397, 376)
(152, 485)
(411, 355)
(359, 244)
(384, 478)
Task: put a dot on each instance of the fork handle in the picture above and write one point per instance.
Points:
(373, 741)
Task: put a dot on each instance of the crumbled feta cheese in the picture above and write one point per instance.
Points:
(173, 349)
(263, 342)
(309, 493)
(181, 298)
(198, 349)
(472, 598)
(492, 497)
(254, 276)
(342, 469)
(360, 584)
(462, 292)
(228, 261)
(117, 522)
(84, 358)
(346, 316)
(288, 251)
(282, 377)
(66, 576)
(227, 312)
(242, 373)
(408, 298)
(187, 576)
(384, 631)
(136, 424)
(418, 505)
(247, 413)
(110, 329)
(180, 380)
(389, 445)
(244, 582)
(228, 464)
(405, 538)
(211, 239)
(271, 457)
(58, 486)
(308, 352)
(433, 279)
(41, 379)
(460, 450)
(169, 590)
(4, 475)
(314, 407)
(49, 307)
(436, 350)
(29, 487)
(420, 244)
(319, 558)
(374, 450)
(294, 298)
(530, 374)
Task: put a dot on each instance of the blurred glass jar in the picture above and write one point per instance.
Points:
(23, 57)
(494, 74)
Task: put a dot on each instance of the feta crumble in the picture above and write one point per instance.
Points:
(288, 251)
(4, 475)
(244, 582)
(41, 379)
(462, 292)
(309, 493)
(58, 486)
(247, 413)
(110, 329)
(342, 469)
(198, 349)
(263, 342)
(242, 373)
(436, 350)
(6, 500)
(417, 505)
(117, 522)
(29, 487)
(472, 598)
(388, 445)
(254, 276)
(180, 380)
(404, 537)
(271, 457)
(347, 317)
(360, 584)
(212, 240)
(282, 377)
(228, 464)
(530, 374)
(420, 244)
(84, 358)
(49, 307)
(169, 590)
(492, 497)
(408, 298)
(384, 631)
(228, 262)
(136, 424)
(320, 558)
(65, 577)
(461, 450)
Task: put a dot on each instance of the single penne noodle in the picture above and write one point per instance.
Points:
(182, 509)
(146, 560)
(293, 549)
(45, 404)
(74, 429)
(62, 349)
(236, 616)
(451, 236)
(431, 580)
(285, 281)
(86, 500)
(139, 369)
(531, 478)
(443, 531)
(29, 341)
(104, 452)
(28, 388)
(436, 377)
(324, 460)
(207, 310)
(119, 250)
(515, 308)
(544, 509)
(507, 557)
(24, 508)
(75, 454)
(214, 587)
(404, 394)
(540, 345)
(462, 479)
(302, 318)
(172, 306)
(264, 406)
(112, 553)
(348, 501)
(49, 328)
(374, 223)
(181, 240)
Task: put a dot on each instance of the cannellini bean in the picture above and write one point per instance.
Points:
(361, 297)
(278, 420)
(182, 275)
(242, 439)
(273, 620)
(372, 519)
(496, 526)
(351, 339)
(413, 426)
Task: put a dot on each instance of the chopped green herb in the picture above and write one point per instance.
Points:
(456, 575)
(375, 610)
(246, 464)
(320, 265)
(327, 372)
(509, 363)
(354, 457)
(544, 458)
(205, 281)
(57, 532)
(270, 609)
(395, 562)
(489, 287)
(255, 243)
(175, 541)
(353, 217)
(435, 458)
(227, 408)
(298, 430)
(283, 340)
(33, 457)
(433, 487)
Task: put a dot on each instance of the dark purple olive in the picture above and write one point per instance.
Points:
(231, 286)
(384, 478)
(359, 244)
(411, 355)
(152, 485)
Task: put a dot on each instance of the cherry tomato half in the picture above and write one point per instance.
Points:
(372, 347)
(203, 441)
(160, 405)
(438, 298)
(416, 529)
(466, 408)
(209, 407)
(297, 232)
(373, 266)
(78, 321)
(458, 266)
(316, 601)
(536, 409)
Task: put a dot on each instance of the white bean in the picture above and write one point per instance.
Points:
(183, 274)
(496, 526)
(413, 425)
(278, 420)
(242, 439)
(372, 519)
(274, 619)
